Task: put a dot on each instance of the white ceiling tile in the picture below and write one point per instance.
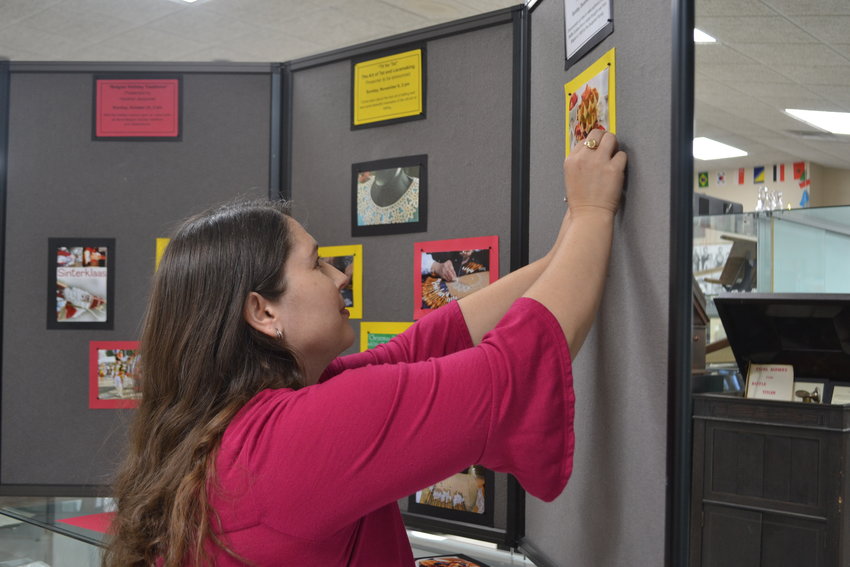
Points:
(433, 9)
(13, 11)
(152, 45)
(392, 17)
(781, 54)
(838, 95)
(829, 29)
(96, 52)
(83, 27)
(752, 72)
(820, 74)
(274, 46)
(760, 90)
(46, 45)
(203, 26)
(808, 7)
(754, 29)
(719, 54)
(268, 13)
(134, 11)
(728, 7)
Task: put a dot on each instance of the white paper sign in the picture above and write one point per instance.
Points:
(771, 382)
(583, 19)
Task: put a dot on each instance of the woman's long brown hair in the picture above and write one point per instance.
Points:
(201, 363)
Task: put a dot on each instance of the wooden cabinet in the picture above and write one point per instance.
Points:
(769, 483)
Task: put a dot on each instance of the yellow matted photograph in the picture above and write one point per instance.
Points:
(591, 102)
(349, 261)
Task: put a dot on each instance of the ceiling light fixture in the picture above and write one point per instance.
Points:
(708, 149)
(835, 122)
(702, 37)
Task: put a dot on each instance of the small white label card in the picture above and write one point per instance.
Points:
(840, 395)
(771, 382)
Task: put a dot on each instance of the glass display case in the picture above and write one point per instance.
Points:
(70, 532)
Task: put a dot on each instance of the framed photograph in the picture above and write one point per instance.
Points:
(349, 261)
(448, 561)
(81, 283)
(810, 392)
(840, 395)
(373, 333)
(448, 270)
(463, 497)
(591, 102)
(389, 196)
(114, 374)
(586, 24)
(137, 107)
(388, 88)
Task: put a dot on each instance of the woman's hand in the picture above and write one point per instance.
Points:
(444, 270)
(593, 178)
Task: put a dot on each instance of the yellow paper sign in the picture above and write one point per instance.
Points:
(387, 88)
(161, 244)
(373, 333)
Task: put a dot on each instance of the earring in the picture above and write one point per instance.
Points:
(278, 334)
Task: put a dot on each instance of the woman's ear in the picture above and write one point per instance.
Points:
(260, 314)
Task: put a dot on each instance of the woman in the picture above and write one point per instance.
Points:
(255, 445)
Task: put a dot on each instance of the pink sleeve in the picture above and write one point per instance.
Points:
(328, 454)
(439, 333)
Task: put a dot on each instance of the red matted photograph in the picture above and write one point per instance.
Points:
(448, 270)
(114, 374)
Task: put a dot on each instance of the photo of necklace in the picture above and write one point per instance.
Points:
(387, 196)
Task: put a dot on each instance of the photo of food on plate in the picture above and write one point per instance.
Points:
(587, 108)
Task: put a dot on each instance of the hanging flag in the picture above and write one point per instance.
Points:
(703, 179)
(804, 200)
(799, 169)
(741, 176)
(758, 174)
(781, 172)
(721, 178)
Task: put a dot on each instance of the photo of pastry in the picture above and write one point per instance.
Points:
(590, 101)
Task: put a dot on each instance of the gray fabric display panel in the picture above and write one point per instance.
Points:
(466, 136)
(612, 511)
(61, 183)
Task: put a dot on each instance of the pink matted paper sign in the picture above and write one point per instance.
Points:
(137, 108)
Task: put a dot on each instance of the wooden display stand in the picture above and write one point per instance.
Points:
(769, 483)
(770, 486)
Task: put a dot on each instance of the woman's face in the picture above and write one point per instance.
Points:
(312, 313)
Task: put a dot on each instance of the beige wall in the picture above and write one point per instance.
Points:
(833, 186)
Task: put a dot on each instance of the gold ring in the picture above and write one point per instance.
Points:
(591, 143)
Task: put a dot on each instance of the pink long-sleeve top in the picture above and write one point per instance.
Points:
(312, 476)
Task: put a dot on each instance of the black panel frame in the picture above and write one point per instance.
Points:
(680, 309)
